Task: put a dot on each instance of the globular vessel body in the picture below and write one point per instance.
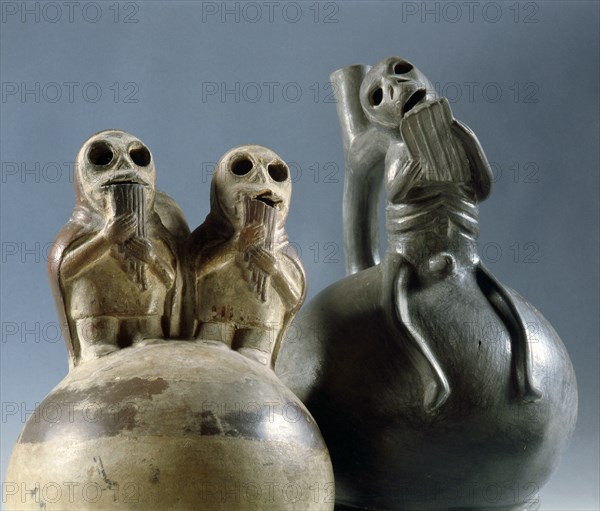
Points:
(171, 425)
(484, 448)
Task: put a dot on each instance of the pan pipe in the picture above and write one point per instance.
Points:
(427, 132)
(129, 198)
(257, 212)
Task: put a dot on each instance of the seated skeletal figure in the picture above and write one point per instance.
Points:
(248, 282)
(436, 173)
(115, 268)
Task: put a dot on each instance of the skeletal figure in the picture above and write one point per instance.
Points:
(249, 283)
(114, 267)
(436, 172)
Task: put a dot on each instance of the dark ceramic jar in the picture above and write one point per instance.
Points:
(484, 447)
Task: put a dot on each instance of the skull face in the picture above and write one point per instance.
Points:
(391, 88)
(108, 158)
(254, 172)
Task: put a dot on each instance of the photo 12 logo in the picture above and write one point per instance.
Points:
(474, 91)
(253, 493)
(69, 92)
(70, 12)
(52, 492)
(267, 92)
(469, 12)
(270, 12)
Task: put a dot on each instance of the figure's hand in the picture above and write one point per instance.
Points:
(403, 180)
(141, 249)
(263, 260)
(410, 170)
(251, 236)
(120, 229)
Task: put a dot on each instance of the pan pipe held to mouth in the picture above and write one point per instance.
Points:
(427, 132)
(130, 198)
(259, 213)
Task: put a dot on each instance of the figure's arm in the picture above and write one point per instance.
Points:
(214, 258)
(286, 275)
(346, 86)
(289, 282)
(142, 249)
(364, 151)
(360, 220)
(401, 173)
(116, 231)
(480, 167)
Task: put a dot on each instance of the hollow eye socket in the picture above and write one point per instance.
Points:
(100, 154)
(401, 68)
(278, 172)
(376, 97)
(241, 166)
(140, 156)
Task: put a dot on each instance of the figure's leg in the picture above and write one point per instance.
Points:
(397, 275)
(97, 336)
(140, 329)
(500, 299)
(255, 343)
(217, 331)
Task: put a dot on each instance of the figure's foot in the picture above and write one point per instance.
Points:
(148, 342)
(219, 332)
(534, 505)
(97, 351)
(253, 354)
(213, 343)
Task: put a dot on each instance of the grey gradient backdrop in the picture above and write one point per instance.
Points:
(523, 75)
